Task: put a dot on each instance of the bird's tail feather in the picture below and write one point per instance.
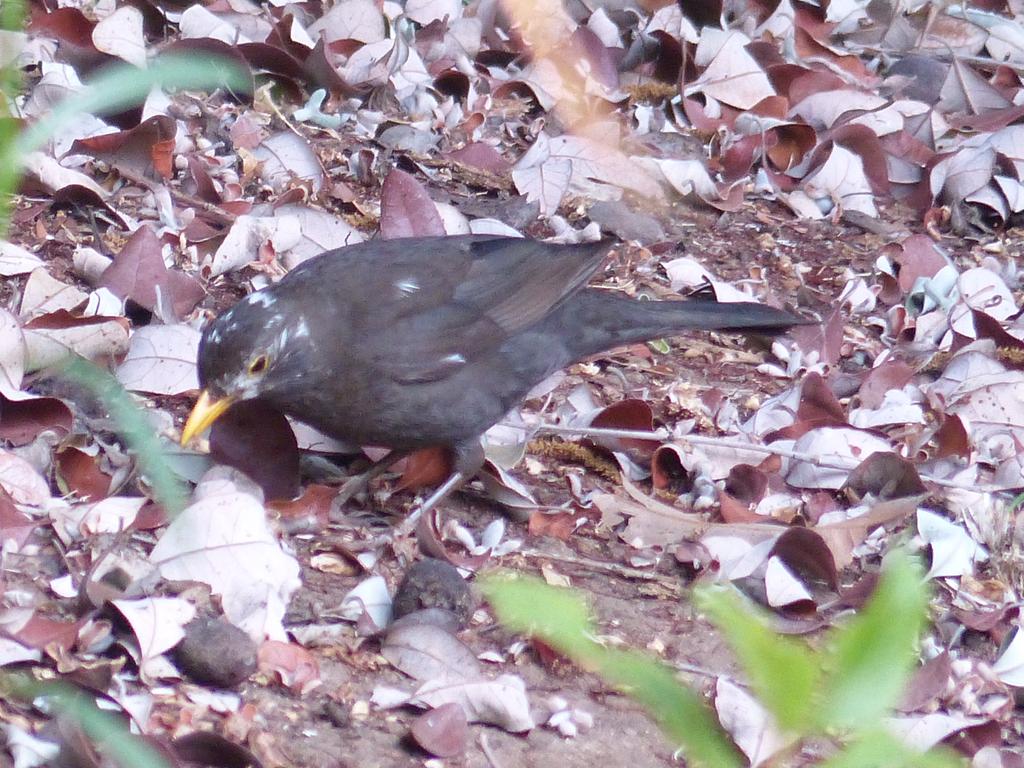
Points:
(605, 320)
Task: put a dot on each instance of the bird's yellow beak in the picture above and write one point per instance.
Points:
(206, 411)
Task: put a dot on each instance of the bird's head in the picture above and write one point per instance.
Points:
(255, 349)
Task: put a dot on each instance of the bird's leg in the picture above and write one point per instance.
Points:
(468, 458)
(357, 484)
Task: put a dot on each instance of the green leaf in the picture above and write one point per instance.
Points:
(561, 620)
(870, 660)
(529, 606)
(783, 673)
(681, 713)
(878, 748)
(117, 89)
(106, 729)
(130, 422)
(124, 86)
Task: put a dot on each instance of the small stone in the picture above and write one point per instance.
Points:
(432, 583)
(216, 652)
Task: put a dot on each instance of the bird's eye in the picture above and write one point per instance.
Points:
(258, 365)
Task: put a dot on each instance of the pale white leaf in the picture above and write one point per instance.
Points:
(54, 177)
(15, 260)
(1009, 667)
(161, 360)
(369, 597)
(12, 356)
(121, 35)
(954, 552)
(831, 445)
(158, 622)
(101, 340)
(782, 587)
(242, 243)
(20, 479)
(359, 20)
(501, 702)
(732, 75)
(749, 724)
(44, 294)
(223, 539)
(286, 160)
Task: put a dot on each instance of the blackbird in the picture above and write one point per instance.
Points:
(424, 342)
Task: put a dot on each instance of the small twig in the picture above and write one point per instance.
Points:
(599, 565)
(739, 445)
(485, 747)
(941, 55)
(692, 669)
(214, 212)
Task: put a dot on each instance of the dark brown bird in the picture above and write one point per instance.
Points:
(430, 341)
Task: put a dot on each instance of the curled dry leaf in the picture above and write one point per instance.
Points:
(749, 724)
(158, 622)
(245, 238)
(369, 602)
(43, 294)
(428, 652)
(501, 702)
(110, 515)
(246, 435)
(286, 160)
(835, 446)
(296, 667)
(223, 540)
(54, 177)
(49, 339)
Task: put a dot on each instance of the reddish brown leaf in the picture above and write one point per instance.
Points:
(807, 554)
(559, 526)
(139, 273)
(42, 633)
(406, 209)
(442, 732)
(145, 150)
(746, 483)
(736, 510)
(310, 513)
(928, 683)
(425, 467)
(255, 438)
(15, 526)
(293, 665)
(952, 438)
(21, 421)
(80, 473)
(482, 156)
(818, 404)
(892, 374)
(919, 257)
(73, 30)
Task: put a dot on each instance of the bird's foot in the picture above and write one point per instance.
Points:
(454, 481)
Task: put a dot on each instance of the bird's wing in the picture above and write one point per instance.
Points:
(454, 305)
(516, 282)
